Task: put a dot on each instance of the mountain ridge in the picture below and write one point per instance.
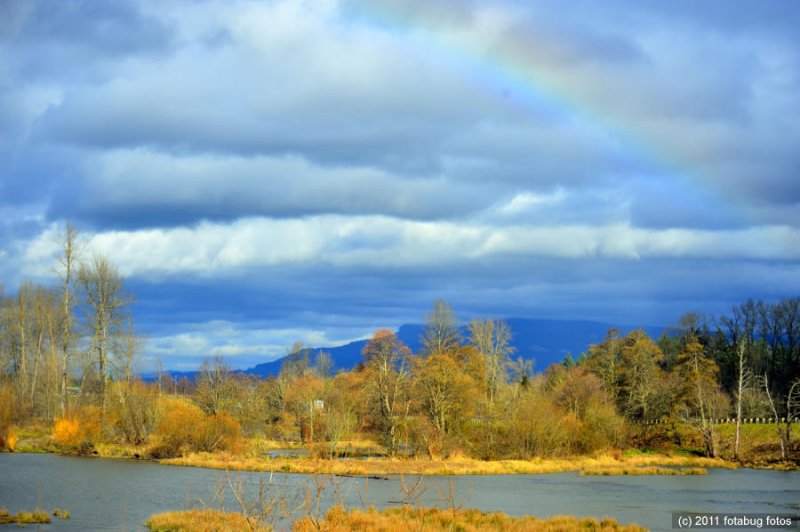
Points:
(545, 341)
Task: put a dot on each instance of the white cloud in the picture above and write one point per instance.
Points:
(241, 346)
(222, 249)
(525, 201)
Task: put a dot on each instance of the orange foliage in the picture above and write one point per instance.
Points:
(7, 402)
(67, 431)
(80, 431)
(185, 427)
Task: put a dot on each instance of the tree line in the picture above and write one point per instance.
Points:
(68, 353)
(61, 345)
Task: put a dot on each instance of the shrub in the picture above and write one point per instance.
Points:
(602, 429)
(8, 398)
(79, 432)
(132, 411)
(66, 432)
(185, 427)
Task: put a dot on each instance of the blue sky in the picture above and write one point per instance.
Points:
(265, 172)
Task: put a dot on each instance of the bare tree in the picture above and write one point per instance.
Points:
(68, 265)
(441, 333)
(791, 406)
(128, 345)
(387, 381)
(215, 386)
(296, 362)
(106, 306)
(742, 381)
(323, 364)
(492, 340)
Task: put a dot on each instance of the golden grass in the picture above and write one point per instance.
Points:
(648, 470)
(418, 466)
(201, 521)
(388, 520)
(23, 517)
(33, 438)
(393, 519)
(361, 444)
(258, 444)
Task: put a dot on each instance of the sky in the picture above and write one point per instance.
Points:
(263, 172)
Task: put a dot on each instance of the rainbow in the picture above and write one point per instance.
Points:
(516, 73)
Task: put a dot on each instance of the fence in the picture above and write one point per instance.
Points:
(721, 421)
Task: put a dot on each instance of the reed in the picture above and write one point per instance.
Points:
(638, 471)
(200, 521)
(459, 466)
(436, 519)
(24, 517)
(389, 520)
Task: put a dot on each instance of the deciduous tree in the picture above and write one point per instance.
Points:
(386, 366)
(492, 339)
(441, 332)
(106, 307)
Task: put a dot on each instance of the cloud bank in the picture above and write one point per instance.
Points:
(325, 168)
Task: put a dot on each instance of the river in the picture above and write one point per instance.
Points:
(107, 494)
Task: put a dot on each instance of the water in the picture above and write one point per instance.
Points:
(103, 494)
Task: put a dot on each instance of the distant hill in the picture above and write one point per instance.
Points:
(543, 341)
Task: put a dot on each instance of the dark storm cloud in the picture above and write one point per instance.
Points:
(617, 291)
(141, 189)
(270, 171)
(401, 117)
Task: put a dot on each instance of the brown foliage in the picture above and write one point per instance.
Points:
(200, 521)
(132, 411)
(391, 519)
(185, 427)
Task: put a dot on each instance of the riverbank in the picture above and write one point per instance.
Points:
(363, 458)
(451, 466)
(389, 519)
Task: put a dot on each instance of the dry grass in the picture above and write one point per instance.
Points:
(388, 520)
(393, 519)
(361, 444)
(33, 437)
(759, 446)
(200, 521)
(648, 470)
(24, 518)
(460, 466)
(261, 444)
